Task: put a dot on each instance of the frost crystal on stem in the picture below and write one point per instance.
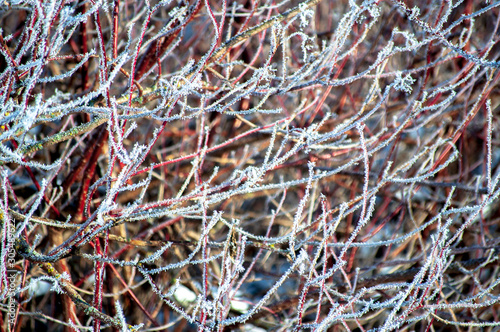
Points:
(226, 165)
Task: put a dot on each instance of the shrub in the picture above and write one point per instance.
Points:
(223, 165)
